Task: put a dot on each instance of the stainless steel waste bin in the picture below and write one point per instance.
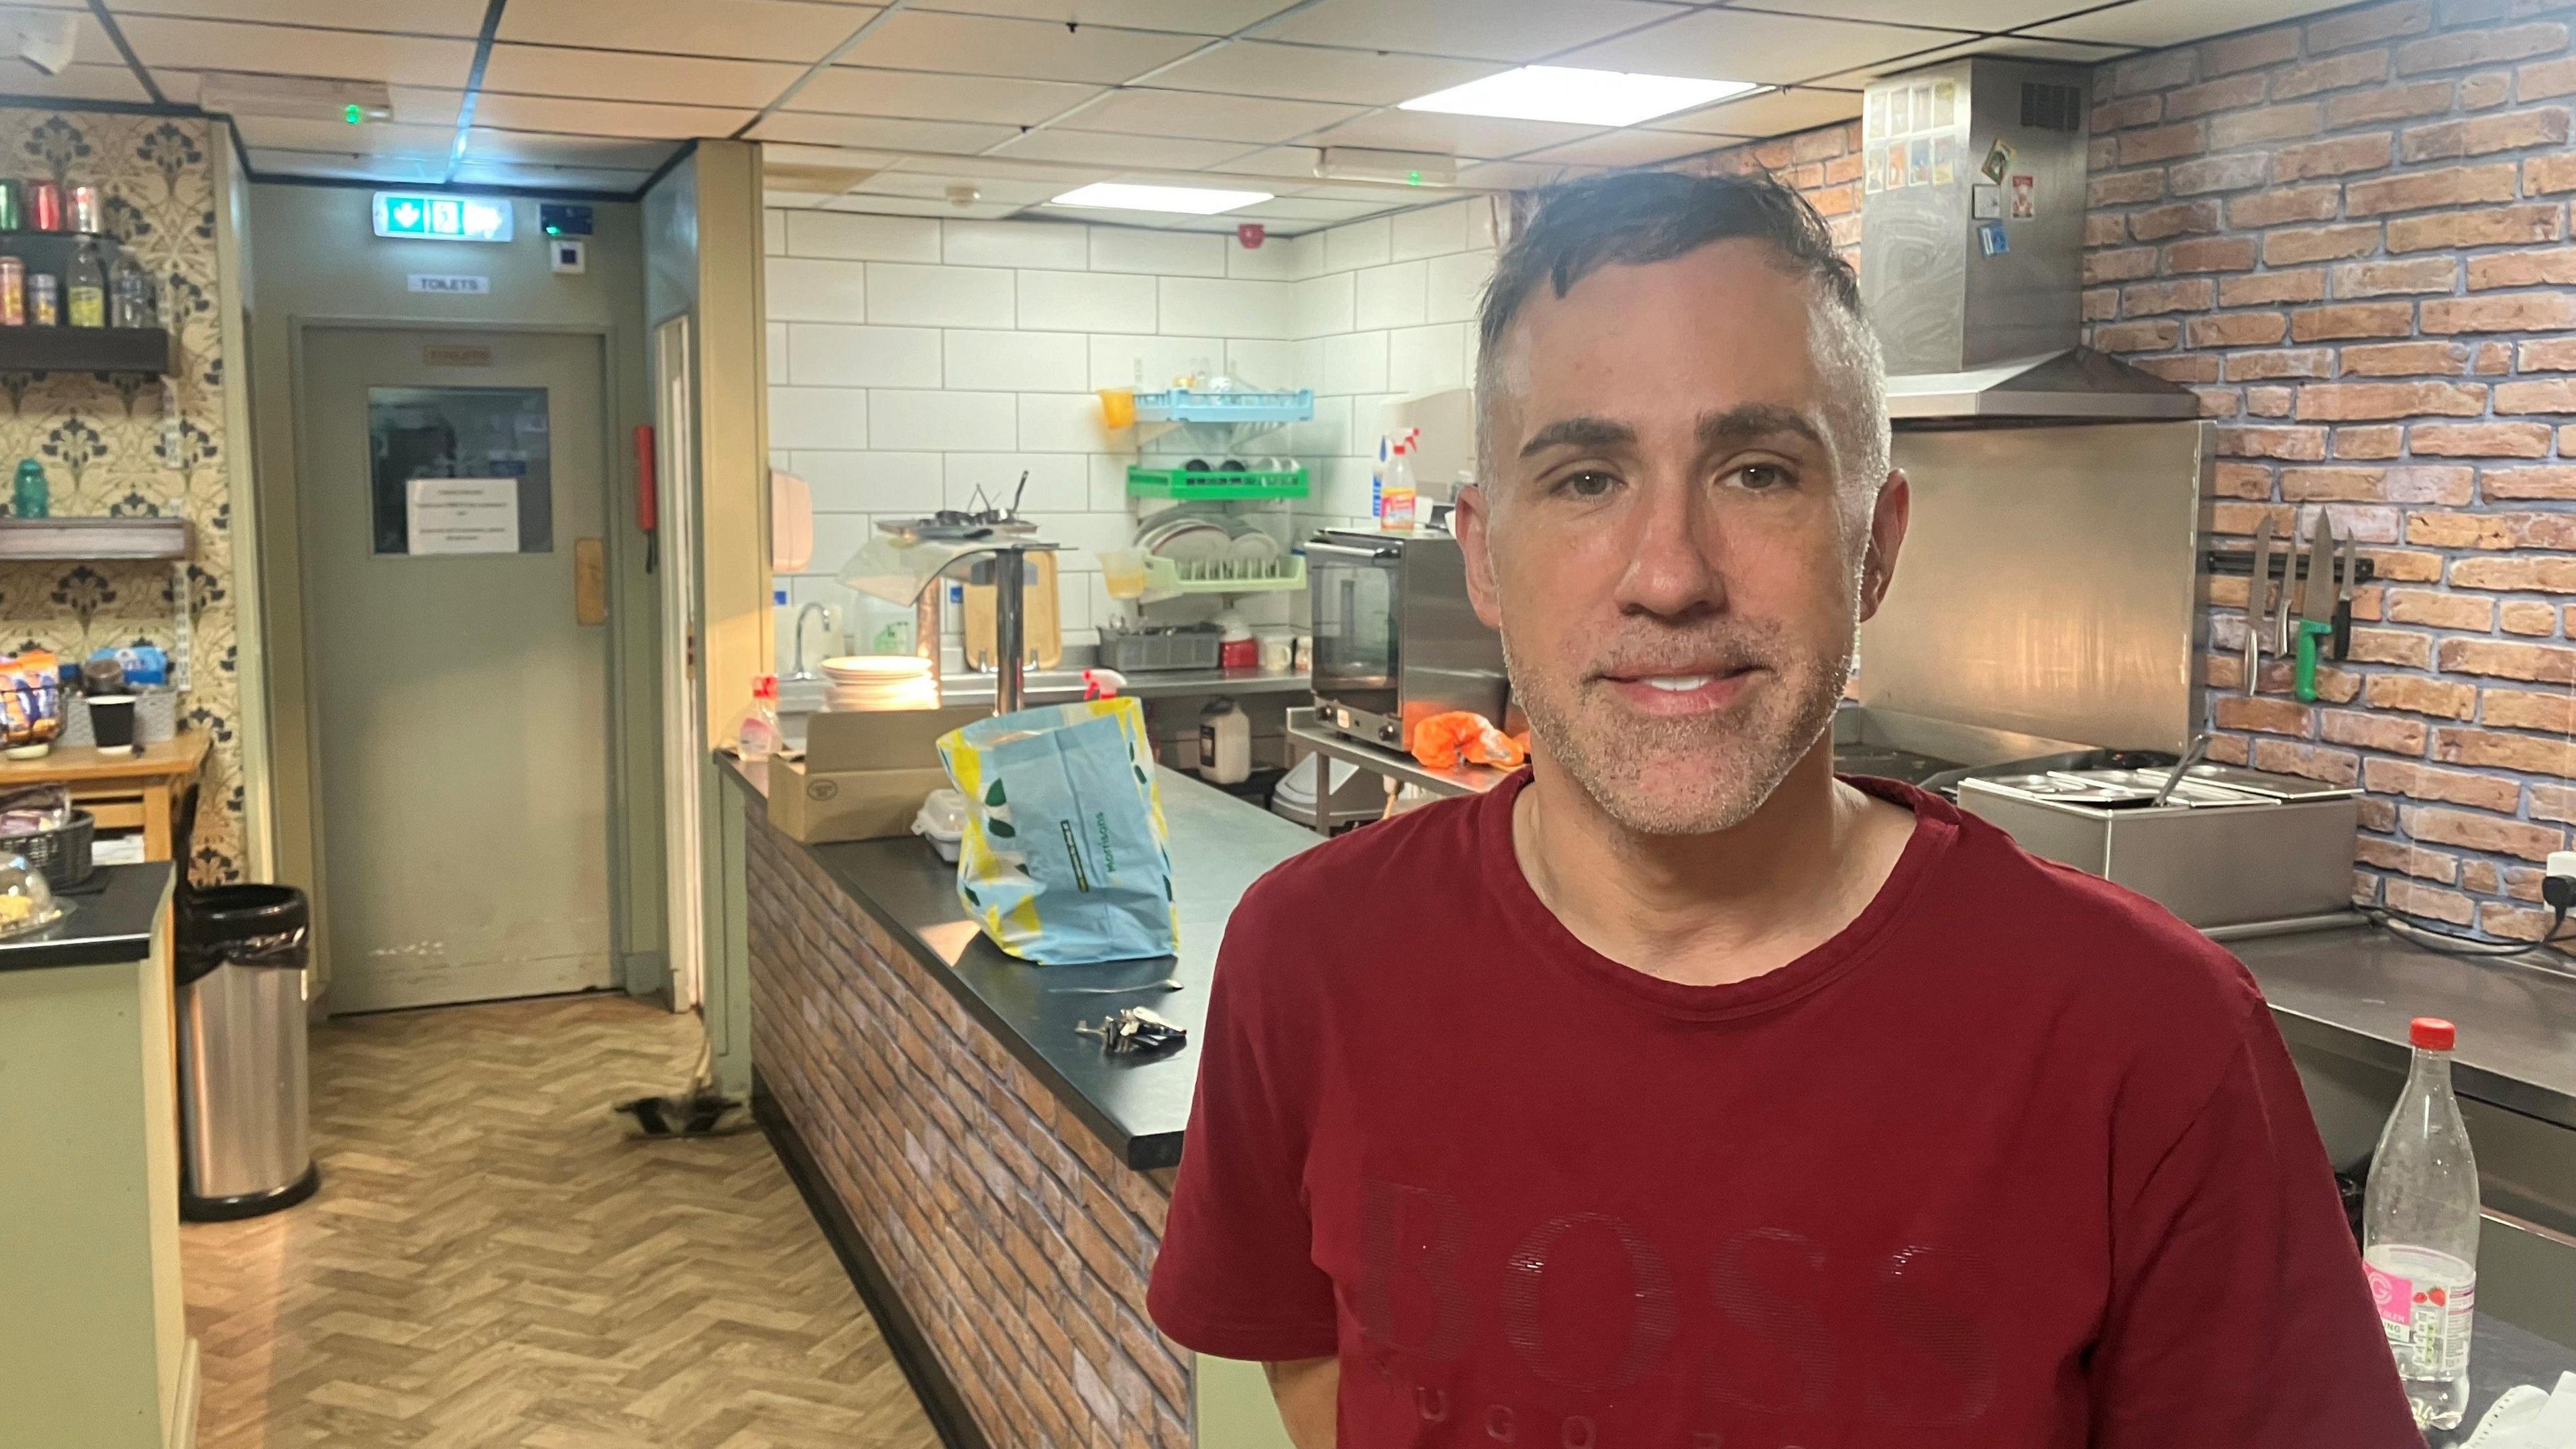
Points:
(246, 1143)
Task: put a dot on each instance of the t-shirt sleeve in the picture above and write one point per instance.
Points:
(2240, 1317)
(1236, 1275)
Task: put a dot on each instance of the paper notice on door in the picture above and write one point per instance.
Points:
(464, 515)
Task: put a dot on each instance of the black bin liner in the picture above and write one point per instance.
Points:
(244, 925)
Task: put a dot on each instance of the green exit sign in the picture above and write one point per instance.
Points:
(441, 217)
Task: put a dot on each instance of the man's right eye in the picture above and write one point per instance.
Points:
(1589, 483)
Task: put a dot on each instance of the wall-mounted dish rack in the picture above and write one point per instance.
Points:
(1213, 484)
(1181, 405)
(1165, 577)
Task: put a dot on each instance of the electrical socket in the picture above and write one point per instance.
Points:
(2558, 887)
(2563, 863)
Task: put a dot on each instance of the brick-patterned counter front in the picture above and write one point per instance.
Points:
(1016, 1240)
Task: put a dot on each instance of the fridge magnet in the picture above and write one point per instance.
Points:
(1873, 171)
(2024, 199)
(1945, 104)
(1896, 166)
(1945, 161)
(1992, 240)
(1876, 125)
(1918, 161)
(1999, 160)
(1986, 203)
(1922, 109)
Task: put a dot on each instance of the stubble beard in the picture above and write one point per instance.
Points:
(1695, 775)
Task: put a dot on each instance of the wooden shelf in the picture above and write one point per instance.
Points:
(80, 349)
(87, 349)
(70, 540)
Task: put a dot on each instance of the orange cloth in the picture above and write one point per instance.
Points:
(1445, 740)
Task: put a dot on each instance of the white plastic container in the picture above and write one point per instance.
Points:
(1225, 743)
(942, 822)
(2420, 1233)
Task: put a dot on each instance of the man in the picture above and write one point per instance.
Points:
(1678, 1094)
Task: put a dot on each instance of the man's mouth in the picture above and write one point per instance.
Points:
(1696, 690)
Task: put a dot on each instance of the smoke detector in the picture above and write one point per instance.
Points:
(960, 194)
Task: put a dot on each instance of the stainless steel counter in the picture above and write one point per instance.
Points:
(2353, 992)
(1057, 686)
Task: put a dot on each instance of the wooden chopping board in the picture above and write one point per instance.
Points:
(1042, 630)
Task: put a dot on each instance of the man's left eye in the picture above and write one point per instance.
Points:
(1761, 477)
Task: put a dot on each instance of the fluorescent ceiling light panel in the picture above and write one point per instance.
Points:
(1578, 97)
(1194, 200)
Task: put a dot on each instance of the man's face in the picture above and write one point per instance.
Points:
(1669, 539)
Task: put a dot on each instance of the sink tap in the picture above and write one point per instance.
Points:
(800, 671)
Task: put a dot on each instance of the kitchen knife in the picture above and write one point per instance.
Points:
(2316, 605)
(2349, 575)
(2255, 598)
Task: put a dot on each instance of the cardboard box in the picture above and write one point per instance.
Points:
(864, 775)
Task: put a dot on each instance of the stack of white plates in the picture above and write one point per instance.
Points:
(879, 681)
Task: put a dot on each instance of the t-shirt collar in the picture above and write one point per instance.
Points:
(1936, 827)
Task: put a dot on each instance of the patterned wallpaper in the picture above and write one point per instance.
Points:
(107, 446)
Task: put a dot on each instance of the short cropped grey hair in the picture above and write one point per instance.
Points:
(1632, 218)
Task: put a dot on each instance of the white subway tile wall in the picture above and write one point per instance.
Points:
(914, 361)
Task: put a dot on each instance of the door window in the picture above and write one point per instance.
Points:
(460, 470)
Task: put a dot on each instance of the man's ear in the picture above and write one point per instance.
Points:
(1475, 527)
(1887, 520)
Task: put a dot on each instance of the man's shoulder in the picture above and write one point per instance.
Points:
(1367, 879)
(2078, 934)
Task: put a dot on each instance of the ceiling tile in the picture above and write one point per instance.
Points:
(1037, 50)
(551, 178)
(81, 82)
(548, 70)
(1479, 136)
(2017, 47)
(393, 170)
(1519, 31)
(386, 139)
(2168, 22)
(488, 144)
(999, 191)
(1377, 198)
(419, 105)
(885, 133)
(1948, 14)
(1302, 208)
(1744, 45)
(1003, 168)
(1631, 147)
(605, 118)
(407, 17)
(284, 50)
(747, 29)
(919, 95)
(1107, 148)
(1297, 162)
(1195, 17)
(1251, 68)
(1248, 119)
(1772, 113)
(870, 204)
(1519, 175)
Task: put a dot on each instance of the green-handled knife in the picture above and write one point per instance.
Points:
(2316, 604)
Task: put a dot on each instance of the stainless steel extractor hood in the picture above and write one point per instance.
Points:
(1972, 250)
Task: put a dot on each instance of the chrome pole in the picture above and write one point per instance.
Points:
(1009, 624)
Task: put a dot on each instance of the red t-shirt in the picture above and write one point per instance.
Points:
(2016, 1161)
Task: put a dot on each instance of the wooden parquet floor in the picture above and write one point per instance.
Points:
(491, 1262)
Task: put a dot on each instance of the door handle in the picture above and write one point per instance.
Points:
(589, 582)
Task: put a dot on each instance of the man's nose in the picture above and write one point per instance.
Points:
(1672, 571)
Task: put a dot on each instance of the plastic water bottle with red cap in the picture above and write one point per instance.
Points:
(2420, 1232)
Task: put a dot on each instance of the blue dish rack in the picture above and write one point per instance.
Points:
(1181, 405)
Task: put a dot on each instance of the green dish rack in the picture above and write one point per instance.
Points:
(1184, 483)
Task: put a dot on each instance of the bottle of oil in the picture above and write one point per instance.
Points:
(85, 287)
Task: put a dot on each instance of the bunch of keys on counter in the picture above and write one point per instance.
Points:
(1136, 1031)
(2324, 626)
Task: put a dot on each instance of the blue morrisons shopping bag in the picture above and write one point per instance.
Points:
(1063, 860)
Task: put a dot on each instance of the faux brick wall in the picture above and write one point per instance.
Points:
(2350, 235)
(1019, 1243)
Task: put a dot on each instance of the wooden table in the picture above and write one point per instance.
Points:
(146, 788)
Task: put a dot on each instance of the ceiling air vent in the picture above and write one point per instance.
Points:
(2051, 108)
